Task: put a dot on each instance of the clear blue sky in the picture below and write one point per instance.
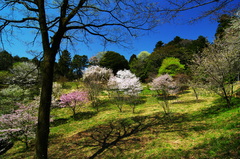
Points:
(163, 32)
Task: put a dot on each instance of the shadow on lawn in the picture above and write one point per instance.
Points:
(218, 106)
(114, 139)
(221, 147)
(189, 101)
(58, 122)
(78, 116)
(115, 136)
(84, 115)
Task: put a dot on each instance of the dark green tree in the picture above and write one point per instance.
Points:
(64, 64)
(16, 59)
(224, 22)
(138, 67)
(78, 64)
(6, 60)
(197, 46)
(158, 45)
(132, 58)
(175, 41)
(114, 61)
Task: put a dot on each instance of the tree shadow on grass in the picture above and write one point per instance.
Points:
(58, 122)
(120, 102)
(84, 115)
(221, 147)
(189, 101)
(105, 104)
(78, 117)
(185, 92)
(114, 136)
(120, 137)
(218, 106)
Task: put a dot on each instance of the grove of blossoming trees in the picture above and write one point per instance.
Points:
(20, 125)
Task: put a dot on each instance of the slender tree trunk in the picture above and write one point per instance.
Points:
(227, 97)
(195, 92)
(44, 108)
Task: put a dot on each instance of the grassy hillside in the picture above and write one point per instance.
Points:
(195, 129)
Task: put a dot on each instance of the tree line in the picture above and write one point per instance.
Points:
(145, 65)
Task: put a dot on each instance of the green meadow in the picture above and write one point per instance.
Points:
(203, 128)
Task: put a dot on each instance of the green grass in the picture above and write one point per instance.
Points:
(194, 129)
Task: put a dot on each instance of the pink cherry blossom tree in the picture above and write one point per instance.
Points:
(74, 99)
(20, 125)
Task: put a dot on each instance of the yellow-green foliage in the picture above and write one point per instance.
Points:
(171, 66)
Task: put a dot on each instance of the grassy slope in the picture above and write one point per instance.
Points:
(195, 129)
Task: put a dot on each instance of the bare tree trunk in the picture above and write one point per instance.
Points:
(227, 97)
(195, 92)
(44, 108)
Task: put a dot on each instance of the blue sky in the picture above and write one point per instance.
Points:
(164, 32)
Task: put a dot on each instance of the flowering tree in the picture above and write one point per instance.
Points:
(125, 82)
(20, 125)
(95, 79)
(217, 67)
(164, 85)
(74, 99)
(24, 74)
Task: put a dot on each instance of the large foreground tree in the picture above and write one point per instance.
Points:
(59, 20)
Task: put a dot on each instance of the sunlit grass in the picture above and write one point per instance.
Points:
(194, 129)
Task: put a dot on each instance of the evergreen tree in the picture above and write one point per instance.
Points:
(224, 22)
(79, 63)
(132, 58)
(64, 64)
(6, 60)
(114, 61)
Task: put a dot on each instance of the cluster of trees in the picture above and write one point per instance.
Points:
(177, 53)
(174, 56)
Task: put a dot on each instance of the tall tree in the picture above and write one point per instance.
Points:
(78, 64)
(132, 58)
(114, 61)
(224, 22)
(64, 64)
(6, 60)
(171, 66)
(57, 21)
